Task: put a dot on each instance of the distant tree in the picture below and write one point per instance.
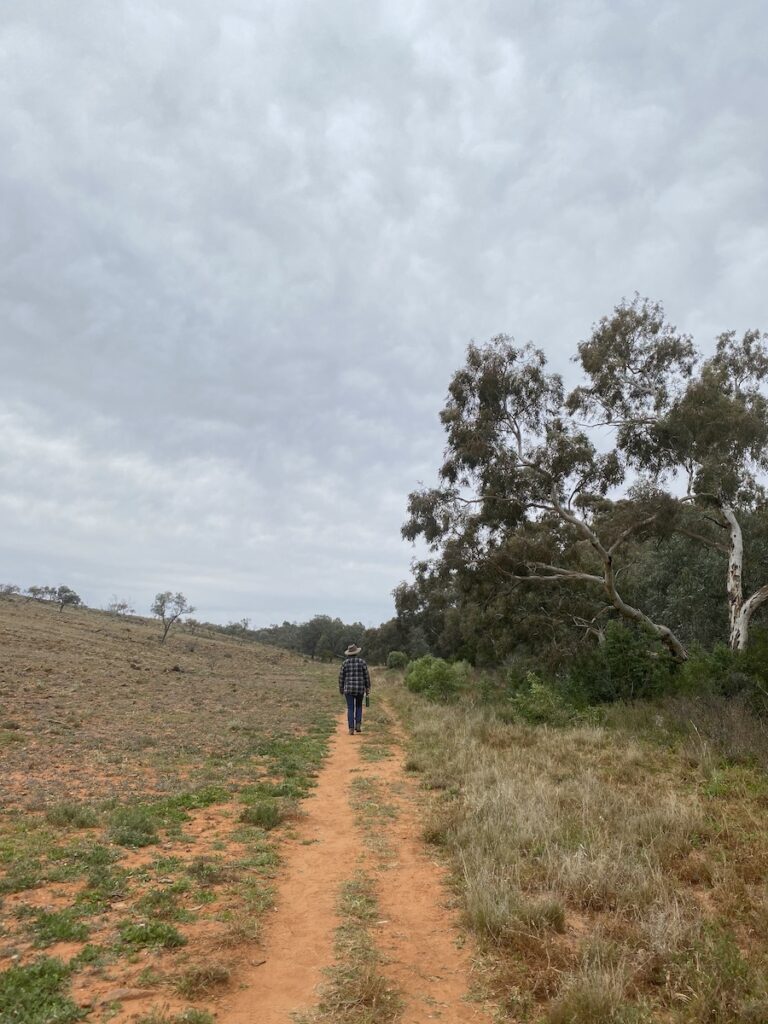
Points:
(120, 606)
(9, 589)
(169, 607)
(67, 596)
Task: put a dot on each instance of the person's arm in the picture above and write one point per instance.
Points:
(341, 678)
(367, 677)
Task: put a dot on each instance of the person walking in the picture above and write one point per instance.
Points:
(354, 685)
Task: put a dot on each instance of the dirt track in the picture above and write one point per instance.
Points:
(417, 934)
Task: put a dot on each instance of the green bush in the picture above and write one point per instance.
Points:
(541, 704)
(726, 673)
(629, 665)
(435, 679)
(397, 659)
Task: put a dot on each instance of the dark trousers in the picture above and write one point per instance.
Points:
(354, 709)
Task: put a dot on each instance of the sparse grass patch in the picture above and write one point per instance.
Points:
(190, 1016)
(200, 980)
(208, 871)
(72, 815)
(357, 992)
(162, 905)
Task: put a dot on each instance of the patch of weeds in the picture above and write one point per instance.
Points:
(367, 800)
(133, 826)
(211, 871)
(136, 825)
(198, 981)
(47, 927)
(89, 956)
(150, 934)
(163, 905)
(103, 885)
(72, 815)
(375, 752)
(266, 814)
(358, 900)
(34, 994)
(291, 789)
(168, 865)
(21, 877)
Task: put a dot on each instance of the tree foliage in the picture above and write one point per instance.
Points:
(531, 502)
(169, 608)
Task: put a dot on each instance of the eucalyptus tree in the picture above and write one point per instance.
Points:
(677, 416)
(524, 492)
(169, 607)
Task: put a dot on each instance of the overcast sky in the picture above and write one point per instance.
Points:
(244, 244)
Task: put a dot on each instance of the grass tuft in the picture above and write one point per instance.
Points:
(150, 934)
(266, 814)
(72, 815)
(198, 981)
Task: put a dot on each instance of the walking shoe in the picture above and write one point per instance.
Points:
(358, 728)
(351, 732)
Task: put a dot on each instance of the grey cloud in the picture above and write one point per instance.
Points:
(243, 248)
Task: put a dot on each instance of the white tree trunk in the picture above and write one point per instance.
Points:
(738, 622)
(748, 609)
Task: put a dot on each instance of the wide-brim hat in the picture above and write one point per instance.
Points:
(353, 649)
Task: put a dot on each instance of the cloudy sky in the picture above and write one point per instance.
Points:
(243, 245)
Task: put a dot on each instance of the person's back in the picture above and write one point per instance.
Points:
(354, 685)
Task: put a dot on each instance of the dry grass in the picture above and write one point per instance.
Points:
(612, 879)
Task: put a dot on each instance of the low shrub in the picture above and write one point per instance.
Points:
(436, 679)
(540, 704)
(397, 659)
(267, 814)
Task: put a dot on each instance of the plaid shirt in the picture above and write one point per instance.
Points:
(354, 677)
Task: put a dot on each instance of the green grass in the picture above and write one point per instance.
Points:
(46, 927)
(137, 825)
(35, 994)
(150, 935)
